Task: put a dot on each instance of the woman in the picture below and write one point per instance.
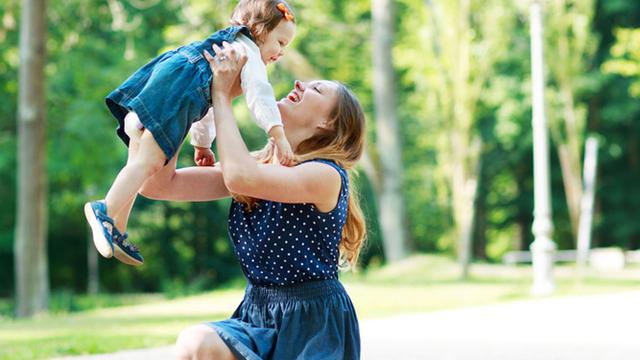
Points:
(290, 226)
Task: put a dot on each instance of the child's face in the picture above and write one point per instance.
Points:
(272, 48)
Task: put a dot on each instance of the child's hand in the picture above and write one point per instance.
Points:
(285, 154)
(204, 156)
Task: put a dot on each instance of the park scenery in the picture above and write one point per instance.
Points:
(500, 180)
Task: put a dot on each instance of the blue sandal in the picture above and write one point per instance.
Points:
(102, 227)
(106, 237)
(126, 251)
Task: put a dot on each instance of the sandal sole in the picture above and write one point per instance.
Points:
(101, 243)
(125, 258)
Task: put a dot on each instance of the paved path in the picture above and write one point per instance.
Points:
(600, 327)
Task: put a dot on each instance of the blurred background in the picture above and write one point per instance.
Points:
(446, 86)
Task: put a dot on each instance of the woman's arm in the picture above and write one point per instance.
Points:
(307, 183)
(186, 184)
(312, 182)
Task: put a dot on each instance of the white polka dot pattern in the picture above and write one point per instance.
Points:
(285, 244)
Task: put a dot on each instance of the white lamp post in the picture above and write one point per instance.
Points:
(542, 248)
(586, 204)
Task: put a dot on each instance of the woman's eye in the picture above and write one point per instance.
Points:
(316, 89)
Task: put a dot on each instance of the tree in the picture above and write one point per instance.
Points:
(391, 203)
(467, 40)
(572, 44)
(32, 274)
(625, 59)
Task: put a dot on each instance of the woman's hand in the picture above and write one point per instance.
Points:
(226, 67)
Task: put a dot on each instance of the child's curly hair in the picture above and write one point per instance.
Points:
(261, 16)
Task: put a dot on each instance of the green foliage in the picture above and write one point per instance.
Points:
(8, 115)
(626, 57)
(94, 45)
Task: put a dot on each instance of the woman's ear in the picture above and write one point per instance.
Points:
(325, 125)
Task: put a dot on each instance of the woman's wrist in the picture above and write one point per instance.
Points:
(221, 98)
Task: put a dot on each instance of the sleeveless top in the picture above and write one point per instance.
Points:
(280, 244)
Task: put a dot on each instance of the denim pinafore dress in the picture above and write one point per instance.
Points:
(294, 307)
(171, 92)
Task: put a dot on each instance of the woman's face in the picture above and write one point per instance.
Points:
(308, 105)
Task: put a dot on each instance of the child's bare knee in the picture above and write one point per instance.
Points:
(133, 126)
(149, 165)
(149, 155)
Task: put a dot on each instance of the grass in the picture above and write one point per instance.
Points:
(111, 329)
(421, 283)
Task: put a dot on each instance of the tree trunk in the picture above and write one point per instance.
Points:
(480, 225)
(465, 147)
(572, 181)
(465, 187)
(572, 47)
(93, 278)
(569, 155)
(391, 202)
(30, 251)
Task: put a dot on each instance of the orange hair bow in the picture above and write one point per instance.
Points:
(285, 12)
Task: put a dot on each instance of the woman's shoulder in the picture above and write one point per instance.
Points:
(332, 163)
(329, 162)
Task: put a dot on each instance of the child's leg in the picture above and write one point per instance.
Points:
(144, 162)
(160, 180)
(121, 219)
(133, 128)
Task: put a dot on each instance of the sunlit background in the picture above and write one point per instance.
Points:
(452, 171)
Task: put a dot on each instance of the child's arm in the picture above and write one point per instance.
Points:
(262, 103)
(285, 154)
(202, 134)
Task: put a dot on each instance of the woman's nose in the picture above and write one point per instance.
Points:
(299, 85)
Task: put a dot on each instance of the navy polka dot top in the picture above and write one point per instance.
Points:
(282, 244)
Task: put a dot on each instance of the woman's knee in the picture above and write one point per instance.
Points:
(201, 342)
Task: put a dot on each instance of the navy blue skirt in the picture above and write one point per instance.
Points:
(314, 320)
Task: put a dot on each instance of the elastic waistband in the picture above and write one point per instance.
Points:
(304, 291)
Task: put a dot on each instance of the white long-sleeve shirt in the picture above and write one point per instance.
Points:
(258, 94)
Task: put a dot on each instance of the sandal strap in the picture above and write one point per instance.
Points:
(123, 239)
(102, 215)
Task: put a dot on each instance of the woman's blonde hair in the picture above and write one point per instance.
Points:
(261, 16)
(343, 144)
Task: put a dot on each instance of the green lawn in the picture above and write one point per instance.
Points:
(421, 283)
